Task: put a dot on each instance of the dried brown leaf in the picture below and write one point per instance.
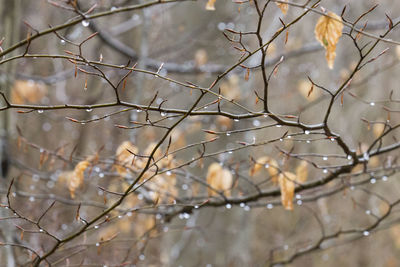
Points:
(287, 186)
(327, 31)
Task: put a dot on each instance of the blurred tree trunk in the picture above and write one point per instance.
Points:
(10, 21)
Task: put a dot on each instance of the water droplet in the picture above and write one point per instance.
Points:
(101, 175)
(256, 123)
(289, 136)
(235, 120)
(278, 126)
(129, 214)
(113, 8)
(142, 257)
(368, 212)
(96, 227)
(324, 158)
(35, 178)
(228, 206)
(168, 173)
(349, 157)
(185, 187)
(372, 181)
(308, 141)
(332, 139)
(365, 233)
(266, 166)
(14, 194)
(325, 171)
(31, 199)
(85, 23)
(62, 42)
(40, 111)
(352, 188)
(120, 216)
(270, 206)
(307, 132)
(280, 139)
(89, 110)
(230, 152)
(299, 202)
(228, 134)
(372, 104)
(97, 244)
(246, 208)
(196, 207)
(46, 126)
(221, 26)
(298, 196)
(41, 230)
(384, 178)
(242, 205)
(50, 184)
(163, 114)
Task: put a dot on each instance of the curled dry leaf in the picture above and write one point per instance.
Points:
(265, 162)
(287, 186)
(210, 5)
(27, 91)
(124, 157)
(302, 172)
(161, 188)
(201, 57)
(219, 179)
(76, 177)
(378, 129)
(328, 31)
(157, 154)
(284, 7)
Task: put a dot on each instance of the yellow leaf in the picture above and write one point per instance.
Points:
(287, 187)
(219, 179)
(328, 31)
(378, 129)
(123, 153)
(265, 162)
(210, 5)
(27, 91)
(284, 7)
(75, 178)
(200, 57)
(124, 158)
(302, 172)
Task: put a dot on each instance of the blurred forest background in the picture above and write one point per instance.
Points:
(68, 165)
